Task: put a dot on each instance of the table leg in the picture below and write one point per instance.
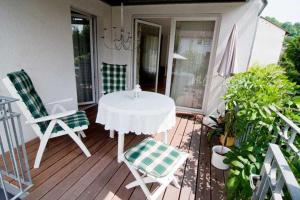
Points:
(165, 137)
(111, 133)
(120, 147)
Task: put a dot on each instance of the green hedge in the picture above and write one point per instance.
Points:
(253, 92)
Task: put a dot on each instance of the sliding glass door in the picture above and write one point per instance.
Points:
(83, 57)
(189, 60)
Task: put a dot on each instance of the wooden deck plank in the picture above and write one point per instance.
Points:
(62, 158)
(57, 172)
(90, 176)
(108, 192)
(52, 164)
(59, 189)
(123, 193)
(171, 191)
(65, 173)
(217, 182)
(188, 188)
(68, 148)
(102, 179)
(203, 179)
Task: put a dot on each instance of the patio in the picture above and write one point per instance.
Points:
(65, 173)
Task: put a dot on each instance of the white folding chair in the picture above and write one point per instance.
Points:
(113, 79)
(46, 126)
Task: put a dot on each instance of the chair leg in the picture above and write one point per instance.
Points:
(139, 180)
(82, 134)
(111, 133)
(136, 183)
(43, 143)
(76, 139)
(143, 181)
(175, 182)
(165, 137)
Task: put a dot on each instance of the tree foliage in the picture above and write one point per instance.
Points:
(292, 28)
(290, 59)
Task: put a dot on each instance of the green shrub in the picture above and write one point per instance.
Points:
(292, 52)
(253, 92)
(244, 161)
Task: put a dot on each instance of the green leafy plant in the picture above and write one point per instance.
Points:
(292, 52)
(252, 93)
(229, 119)
(224, 125)
(218, 128)
(244, 161)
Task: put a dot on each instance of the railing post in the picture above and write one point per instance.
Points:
(13, 152)
(275, 174)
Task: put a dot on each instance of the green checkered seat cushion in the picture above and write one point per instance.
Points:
(34, 104)
(77, 120)
(113, 77)
(153, 157)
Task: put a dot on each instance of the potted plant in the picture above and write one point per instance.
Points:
(227, 138)
(217, 129)
(218, 156)
(225, 128)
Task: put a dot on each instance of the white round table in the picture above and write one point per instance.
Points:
(149, 114)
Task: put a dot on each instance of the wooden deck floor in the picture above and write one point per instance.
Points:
(65, 173)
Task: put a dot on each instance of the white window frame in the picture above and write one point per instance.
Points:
(212, 61)
(214, 18)
(93, 45)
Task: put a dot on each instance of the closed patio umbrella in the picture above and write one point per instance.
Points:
(229, 59)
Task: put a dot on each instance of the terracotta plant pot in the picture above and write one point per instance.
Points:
(230, 141)
(218, 157)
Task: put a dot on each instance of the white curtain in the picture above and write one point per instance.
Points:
(193, 41)
(150, 53)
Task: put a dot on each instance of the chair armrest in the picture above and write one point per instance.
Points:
(60, 101)
(51, 117)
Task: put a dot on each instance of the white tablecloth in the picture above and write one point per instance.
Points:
(150, 113)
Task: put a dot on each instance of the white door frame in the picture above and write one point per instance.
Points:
(136, 22)
(93, 47)
(214, 18)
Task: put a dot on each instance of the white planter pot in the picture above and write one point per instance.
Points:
(217, 157)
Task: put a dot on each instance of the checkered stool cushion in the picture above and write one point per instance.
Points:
(34, 104)
(114, 77)
(153, 157)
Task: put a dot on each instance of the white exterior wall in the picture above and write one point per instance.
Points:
(245, 15)
(268, 43)
(36, 35)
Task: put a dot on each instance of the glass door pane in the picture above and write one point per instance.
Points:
(192, 48)
(147, 54)
(81, 27)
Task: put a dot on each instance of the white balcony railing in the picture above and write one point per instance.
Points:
(276, 173)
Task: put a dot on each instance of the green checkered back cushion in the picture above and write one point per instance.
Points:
(153, 157)
(114, 77)
(26, 90)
